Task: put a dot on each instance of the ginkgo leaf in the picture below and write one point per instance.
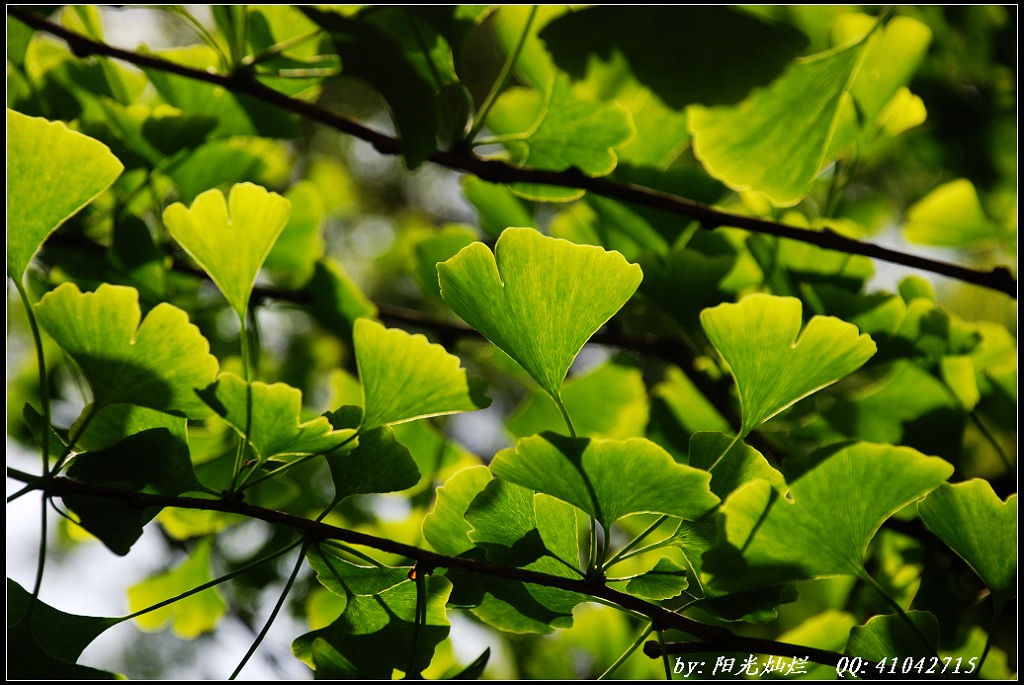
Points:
(405, 377)
(665, 581)
(610, 401)
(270, 415)
(47, 646)
(537, 298)
(230, 239)
(885, 636)
(189, 617)
(950, 216)
(970, 518)
(508, 605)
(773, 369)
(780, 137)
(557, 130)
(158, 364)
(731, 463)
(590, 475)
(379, 631)
(52, 173)
(379, 463)
(840, 496)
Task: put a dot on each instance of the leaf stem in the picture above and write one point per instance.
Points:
(629, 652)
(278, 48)
(618, 556)
(664, 655)
(997, 610)
(301, 460)
(243, 443)
(866, 577)
(212, 583)
(44, 386)
(273, 614)
(502, 79)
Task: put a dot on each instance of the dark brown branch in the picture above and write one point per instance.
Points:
(712, 638)
(497, 171)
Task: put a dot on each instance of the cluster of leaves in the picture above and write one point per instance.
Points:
(772, 457)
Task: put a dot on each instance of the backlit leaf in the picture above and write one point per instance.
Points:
(270, 415)
(666, 580)
(52, 172)
(189, 617)
(774, 364)
(970, 518)
(158, 364)
(589, 474)
(405, 377)
(731, 463)
(950, 216)
(883, 637)
(539, 299)
(230, 239)
(379, 463)
(840, 496)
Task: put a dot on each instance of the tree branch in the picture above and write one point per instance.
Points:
(712, 638)
(497, 171)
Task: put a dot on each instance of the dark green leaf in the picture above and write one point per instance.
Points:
(379, 463)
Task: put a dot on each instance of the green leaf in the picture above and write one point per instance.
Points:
(344, 578)
(407, 62)
(189, 617)
(155, 460)
(158, 364)
(539, 299)
(52, 173)
(884, 637)
(566, 131)
(731, 463)
(405, 377)
(47, 647)
(590, 475)
(220, 162)
(437, 247)
(379, 463)
(970, 518)
(271, 415)
(773, 369)
(337, 302)
(508, 605)
(230, 239)
(666, 580)
(300, 244)
(780, 137)
(610, 401)
(839, 497)
(376, 633)
(950, 216)
(113, 423)
(497, 206)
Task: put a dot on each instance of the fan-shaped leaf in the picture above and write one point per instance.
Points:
(189, 617)
(773, 368)
(590, 475)
(158, 364)
(840, 497)
(883, 637)
(230, 239)
(950, 216)
(983, 530)
(666, 580)
(405, 377)
(379, 463)
(52, 172)
(270, 415)
(539, 299)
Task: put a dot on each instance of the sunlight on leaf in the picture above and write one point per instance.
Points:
(666, 580)
(840, 497)
(52, 172)
(590, 475)
(731, 464)
(539, 299)
(970, 518)
(189, 617)
(562, 130)
(230, 239)
(274, 424)
(882, 637)
(158, 364)
(405, 377)
(950, 216)
(773, 362)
